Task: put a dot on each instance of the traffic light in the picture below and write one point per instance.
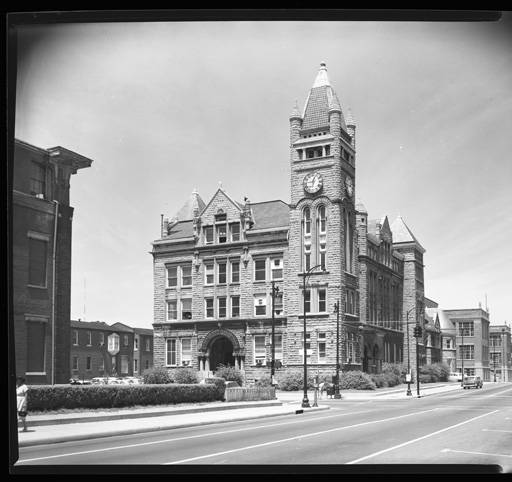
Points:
(417, 331)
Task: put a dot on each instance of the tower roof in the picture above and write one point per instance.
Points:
(402, 233)
(194, 202)
(321, 99)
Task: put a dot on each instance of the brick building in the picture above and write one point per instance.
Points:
(41, 260)
(100, 350)
(500, 352)
(471, 329)
(216, 262)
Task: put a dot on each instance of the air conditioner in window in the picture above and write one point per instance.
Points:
(40, 196)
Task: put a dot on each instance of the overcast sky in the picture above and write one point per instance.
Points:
(163, 108)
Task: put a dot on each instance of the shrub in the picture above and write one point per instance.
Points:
(264, 381)
(435, 372)
(48, 397)
(230, 373)
(379, 379)
(220, 386)
(184, 375)
(293, 379)
(356, 380)
(156, 375)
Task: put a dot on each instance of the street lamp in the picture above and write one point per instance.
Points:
(417, 335)
(275, 291)
(306, 275)
(337, 393)
(408, 393)
(503, 361)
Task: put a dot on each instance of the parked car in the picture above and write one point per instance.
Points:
(99, 380)
(113, 381)
(131, 380)
(76, 381)
(472, 382)
(455, 377)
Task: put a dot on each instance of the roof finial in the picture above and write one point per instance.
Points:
(220, 185)
(321, 78)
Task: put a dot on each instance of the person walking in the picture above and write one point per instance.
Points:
(21, 396)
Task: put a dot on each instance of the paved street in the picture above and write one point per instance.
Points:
(456, 427)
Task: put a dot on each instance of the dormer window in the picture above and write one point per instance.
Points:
(221, 233)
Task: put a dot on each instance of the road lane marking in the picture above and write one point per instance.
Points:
(419, 438)
(297, 437)
(495, 430)
(223, 432)
(476, 453)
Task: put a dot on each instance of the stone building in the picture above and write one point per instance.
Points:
(41, 260)
(100, 350)
(225, 270)
(471, 328)
(500, 352)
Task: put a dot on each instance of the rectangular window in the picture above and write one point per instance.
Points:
(235, 272)
(147, 364)
(113, 342)
(89, 338)
(136, 343)
(148, 344)
(322, 250)
(351, 348)
(125, 340)
(221, 233)
(36, 335)
(235, 306)
(260, 353)
(186, 275)
(222, 306)
(209, 308)
(322, 303)
(209, 272)
(277, 268)
(468, 352)
(74, 337)
(37, 179)
(306, 300)
(74, 365)
(186, 309)
(321, 347)
(101, 365)
(172, 310)
(37, 252)
(208, 234)
(124, 364)
(102, 338)
(171, 351)
(186, 351)
(260, 270)
(222, 272)
(466, 328)
(260, 305)
(349, 301)
(278, 304)
(235, 232)
(172, 276)
(88, 363)
(135, 366)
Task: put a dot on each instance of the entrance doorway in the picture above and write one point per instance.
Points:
(221, 352)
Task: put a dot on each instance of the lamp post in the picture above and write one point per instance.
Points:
(305, 401)
(417, 335)
(408, 393)
(275, 290)
(503, 361)
(337, 393)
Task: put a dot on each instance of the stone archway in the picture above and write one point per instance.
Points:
(221, 353)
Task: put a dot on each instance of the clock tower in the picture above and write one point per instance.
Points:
(322, 231)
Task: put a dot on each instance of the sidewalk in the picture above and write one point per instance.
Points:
(54, 428)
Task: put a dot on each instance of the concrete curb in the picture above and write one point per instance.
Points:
(132, 431)
(128, 415)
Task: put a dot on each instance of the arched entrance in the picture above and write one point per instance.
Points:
(221, 352)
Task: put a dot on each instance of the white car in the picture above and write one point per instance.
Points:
(130, 381)
(455, 377)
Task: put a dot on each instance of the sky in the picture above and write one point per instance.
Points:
(163, 108)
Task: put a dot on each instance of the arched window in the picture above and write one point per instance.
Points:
(321, 236)
(306, 239)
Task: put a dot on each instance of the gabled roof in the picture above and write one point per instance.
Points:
(89, 325)
(143, 331)
(121, 327)
(321, 98)
(270, 214)
(402, 233)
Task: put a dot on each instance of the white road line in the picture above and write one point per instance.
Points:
(298, 437)
(418, 439)
(224, 432)
(476, 453)
(493, 430)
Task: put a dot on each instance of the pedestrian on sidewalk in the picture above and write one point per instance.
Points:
(21, 396)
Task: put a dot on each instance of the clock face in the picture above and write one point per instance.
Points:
(313, 182)
(350, 186)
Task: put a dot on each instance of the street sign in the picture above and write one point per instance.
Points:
(408, 377)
